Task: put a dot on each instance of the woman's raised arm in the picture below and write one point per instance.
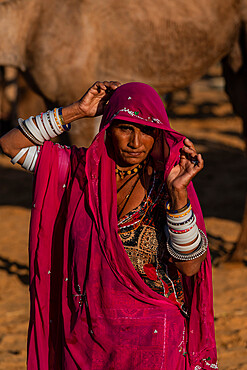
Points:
(35, 130)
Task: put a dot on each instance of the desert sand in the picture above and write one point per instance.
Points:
(205, 116)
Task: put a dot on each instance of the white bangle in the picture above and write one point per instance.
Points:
(187, 248)
(186, 237)
(29, 158)
(54, 123)
(33, 129)
(41, 127)
(35, 157)
(51, 132)
(184, 226)
(19, 155)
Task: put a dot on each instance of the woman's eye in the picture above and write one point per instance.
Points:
(125, 128)
(148, 130)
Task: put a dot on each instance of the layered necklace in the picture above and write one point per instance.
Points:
(135, 171)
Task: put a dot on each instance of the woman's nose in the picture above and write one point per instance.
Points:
(135, 141)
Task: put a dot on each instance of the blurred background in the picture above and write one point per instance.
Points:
(197, 106)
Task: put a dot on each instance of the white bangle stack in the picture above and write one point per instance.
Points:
(43, 127)
(184, 235)
(37, 129)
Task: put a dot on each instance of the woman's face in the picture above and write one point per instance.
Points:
(131, 142)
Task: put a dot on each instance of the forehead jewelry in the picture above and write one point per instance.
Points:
(123, 174)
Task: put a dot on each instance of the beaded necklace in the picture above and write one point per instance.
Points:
(123, 173)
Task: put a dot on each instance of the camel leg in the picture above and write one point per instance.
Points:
(236, 88)
(8, 98)
(237, 255)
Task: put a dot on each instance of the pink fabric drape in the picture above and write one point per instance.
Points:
(89, 307)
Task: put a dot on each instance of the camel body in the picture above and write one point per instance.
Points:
(63, 47)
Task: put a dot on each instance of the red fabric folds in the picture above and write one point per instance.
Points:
(89, 307)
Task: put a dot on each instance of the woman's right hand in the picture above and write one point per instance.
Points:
(93, 102)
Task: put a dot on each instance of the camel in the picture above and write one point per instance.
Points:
(62, 48)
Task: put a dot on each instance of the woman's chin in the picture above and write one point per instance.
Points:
(131, 161)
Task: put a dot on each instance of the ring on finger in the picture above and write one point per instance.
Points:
(195, 161)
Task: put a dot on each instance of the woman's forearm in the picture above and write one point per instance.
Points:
(72, 112)
(13, 141)
(178, 199)
(190, 268)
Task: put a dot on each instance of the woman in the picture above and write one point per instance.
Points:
(119, 273)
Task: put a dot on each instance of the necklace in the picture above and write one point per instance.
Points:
(127, 197)
(123, 173)
(126, 182)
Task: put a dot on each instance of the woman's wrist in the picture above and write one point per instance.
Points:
(178, 199)
(72, 113)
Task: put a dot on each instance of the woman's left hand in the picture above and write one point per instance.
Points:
(189, 165)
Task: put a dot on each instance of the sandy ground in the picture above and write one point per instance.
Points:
(207, 118)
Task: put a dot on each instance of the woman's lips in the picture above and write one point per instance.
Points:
(134, 154)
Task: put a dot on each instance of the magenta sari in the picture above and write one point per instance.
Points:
(90, 309)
